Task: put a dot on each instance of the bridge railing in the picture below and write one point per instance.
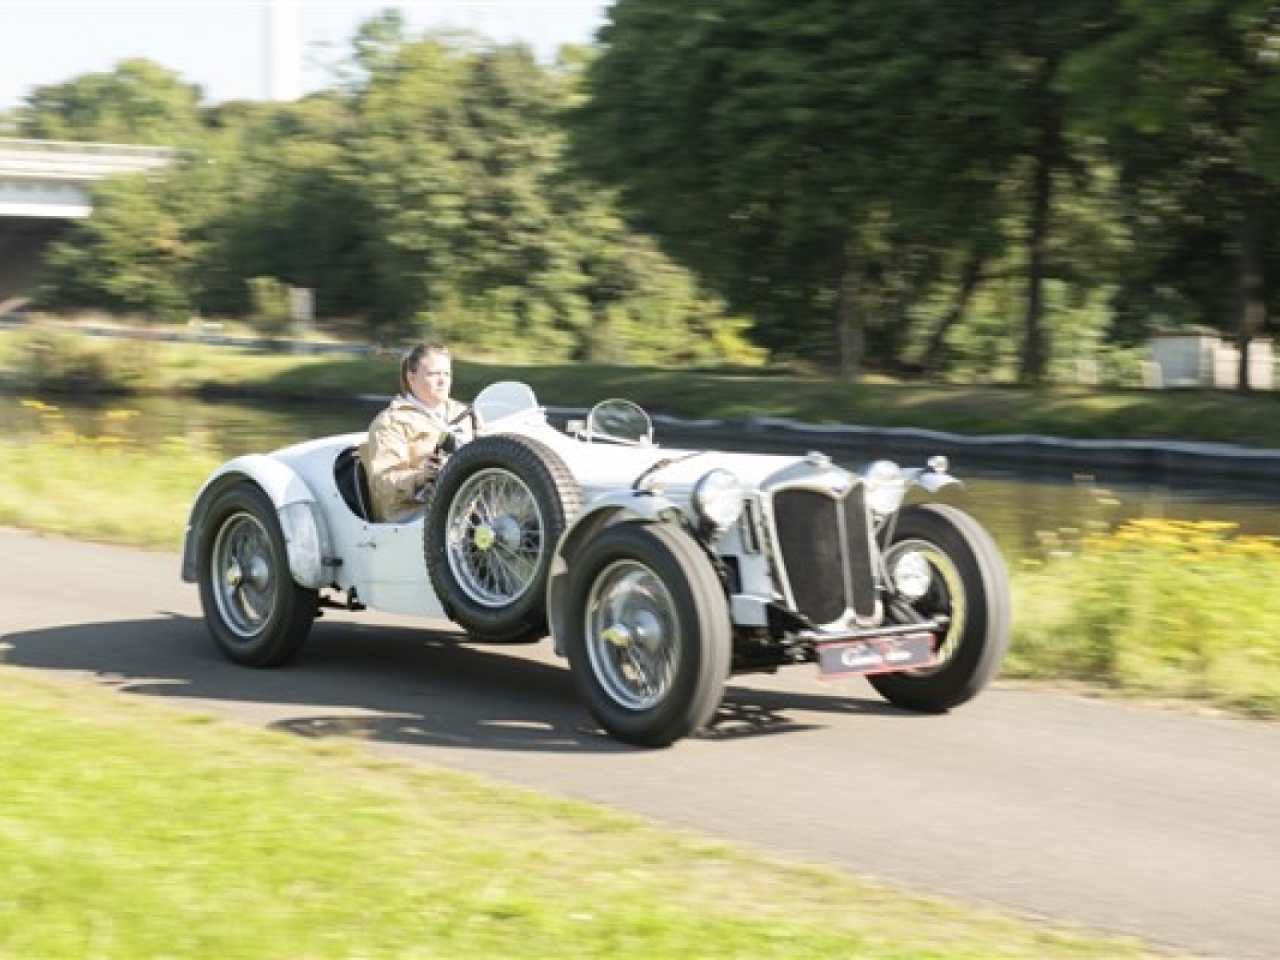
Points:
(70, 160)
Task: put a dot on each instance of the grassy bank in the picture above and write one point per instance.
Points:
(132, 831)
(34, 361)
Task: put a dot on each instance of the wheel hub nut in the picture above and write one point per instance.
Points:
(259, 572)
(617, 635)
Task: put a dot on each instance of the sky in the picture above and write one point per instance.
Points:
(222, 45)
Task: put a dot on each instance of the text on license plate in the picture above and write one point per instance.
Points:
(908, 651)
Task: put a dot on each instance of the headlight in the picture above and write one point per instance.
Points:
(912, 575)
(717, 498)
(886, 486)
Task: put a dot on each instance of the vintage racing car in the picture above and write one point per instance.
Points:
(658, 573)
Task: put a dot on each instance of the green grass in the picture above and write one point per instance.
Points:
(130, 831)
(1149, 608)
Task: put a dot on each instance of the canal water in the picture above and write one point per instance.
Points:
(1023, 508)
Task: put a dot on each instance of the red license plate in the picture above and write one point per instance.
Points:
(844, 658)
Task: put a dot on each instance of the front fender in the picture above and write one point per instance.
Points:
(639, 506)
(301, 520)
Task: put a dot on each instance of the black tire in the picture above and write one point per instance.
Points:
(647, 633)
(496, 514)
(256, 613)
(971, 586)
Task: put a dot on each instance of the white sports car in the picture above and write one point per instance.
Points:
(658, 573)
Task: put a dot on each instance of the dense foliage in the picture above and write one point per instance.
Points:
(993, 189)
(858, 169)
(427, 195)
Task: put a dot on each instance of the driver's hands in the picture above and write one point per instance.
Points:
(434, 464)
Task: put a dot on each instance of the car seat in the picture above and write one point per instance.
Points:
(353, 482)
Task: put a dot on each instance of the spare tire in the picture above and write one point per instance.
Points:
(495, 515)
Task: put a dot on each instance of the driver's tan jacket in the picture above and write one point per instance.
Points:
(397, 455)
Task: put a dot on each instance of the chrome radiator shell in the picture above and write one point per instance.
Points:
(822, 545)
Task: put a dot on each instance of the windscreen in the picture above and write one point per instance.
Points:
(505, 399)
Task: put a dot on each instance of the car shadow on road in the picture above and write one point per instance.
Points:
(388, 684)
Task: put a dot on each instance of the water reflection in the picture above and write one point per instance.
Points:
(228, 428)
(1019, 511)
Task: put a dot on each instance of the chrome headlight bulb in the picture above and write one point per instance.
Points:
(912, 576)
(718, 498)
(886, 487)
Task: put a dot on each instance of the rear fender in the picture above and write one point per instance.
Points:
(301, 520)
(621, 507)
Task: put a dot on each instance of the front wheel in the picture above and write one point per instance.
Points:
(255, 612)
(648, 636)
(942, 563)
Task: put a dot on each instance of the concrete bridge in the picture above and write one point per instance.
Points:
(43, 187)
(42, 179)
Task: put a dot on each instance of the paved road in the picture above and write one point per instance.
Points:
(1158, 824)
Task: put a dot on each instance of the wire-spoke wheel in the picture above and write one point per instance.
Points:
(496, 514)
(256, 613)
(632, 632)
(495, 537)
(243, 579)
(647, 632)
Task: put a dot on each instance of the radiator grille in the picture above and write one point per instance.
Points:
(825, 547)
(859, 554)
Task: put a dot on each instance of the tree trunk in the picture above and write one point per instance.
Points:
(1252, 303)
(1046, 158)
(970, 278)
(851, 336)
(1034, 353)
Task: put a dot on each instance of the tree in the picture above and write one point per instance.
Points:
(478, 230)
(427, 193)
(137, 252)
(137, 102)
(287, 210)
(132, 256)
(1187, 93)
(399, 160)
(808, 160)
(828, 164)
(687, 112)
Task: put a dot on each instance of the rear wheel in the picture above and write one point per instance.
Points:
(648, 636)
(255, 612)
(952, 569)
